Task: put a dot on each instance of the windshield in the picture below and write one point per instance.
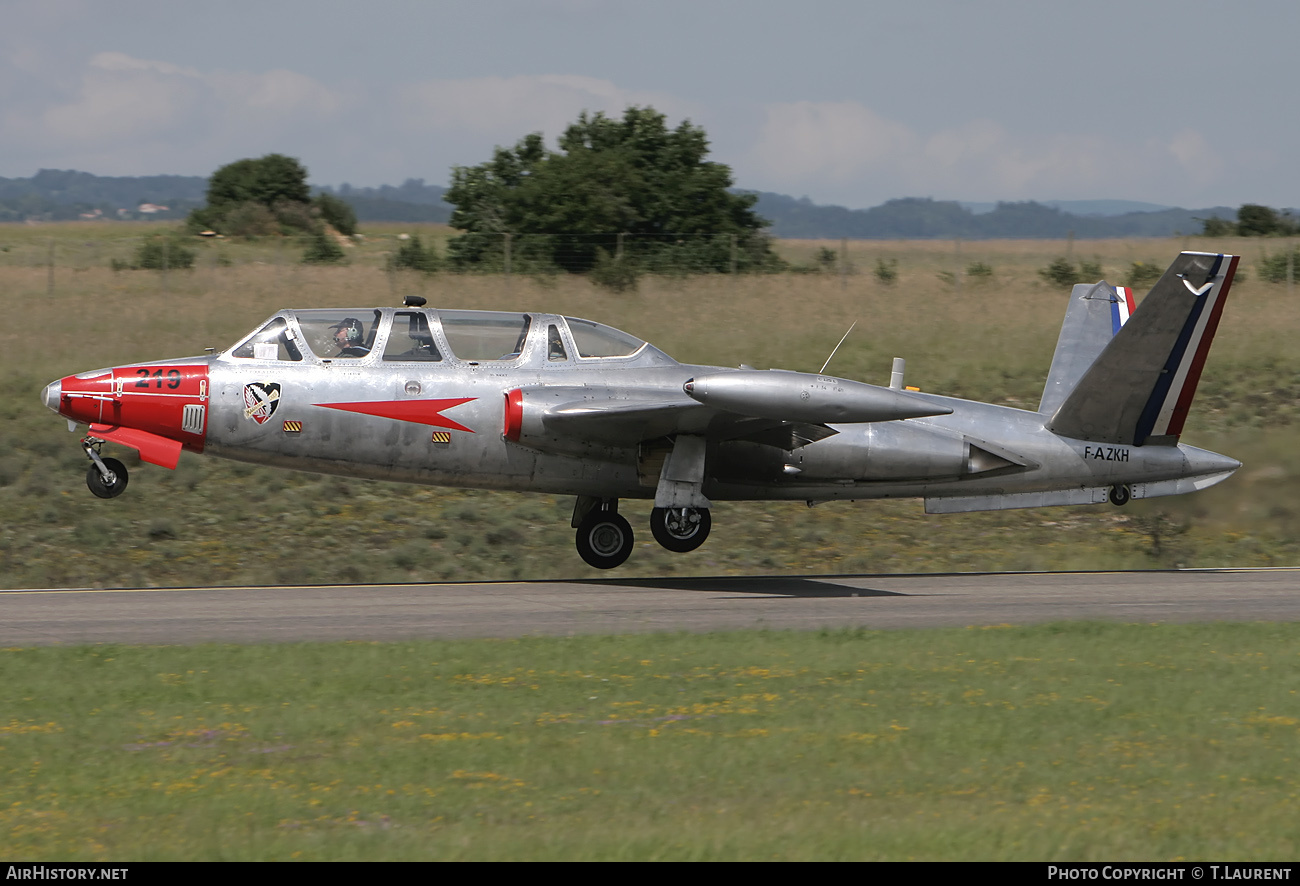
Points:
(274, 341)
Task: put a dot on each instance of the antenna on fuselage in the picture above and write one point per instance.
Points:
(836, 348)
(415, 301)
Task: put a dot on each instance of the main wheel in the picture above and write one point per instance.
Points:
(680, 529)
(604, 539)
(1120, 494)
(103, 488)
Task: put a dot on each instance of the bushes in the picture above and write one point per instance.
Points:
(158, 254)
(1280, 267)
(322, 250)
(1062, 272)
(1141, 274)
(414, 256)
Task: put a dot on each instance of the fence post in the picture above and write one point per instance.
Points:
(844, 263)
(956, 261)
(166, 262)
(49, 277)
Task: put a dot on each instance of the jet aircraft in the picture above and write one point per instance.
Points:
(547, 403)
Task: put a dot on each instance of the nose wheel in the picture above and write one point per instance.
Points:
(680, 529)
(110, 484)
(106, 477)
(604, 538)
(1120, 494)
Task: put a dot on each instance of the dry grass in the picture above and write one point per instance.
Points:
(989, 339)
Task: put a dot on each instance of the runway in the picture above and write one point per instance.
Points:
(627, 605)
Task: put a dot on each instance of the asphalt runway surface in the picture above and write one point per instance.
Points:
(628, 605)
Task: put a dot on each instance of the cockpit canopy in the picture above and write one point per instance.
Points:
(435, 336)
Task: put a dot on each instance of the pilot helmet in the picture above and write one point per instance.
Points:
(353, 329)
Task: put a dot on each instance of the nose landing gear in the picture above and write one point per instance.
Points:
(1120, 494)
(106, 477)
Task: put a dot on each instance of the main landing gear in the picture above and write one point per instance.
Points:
(680, 529)
(106, 477)
(604, 537)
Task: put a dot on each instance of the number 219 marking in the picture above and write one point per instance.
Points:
(147, 378)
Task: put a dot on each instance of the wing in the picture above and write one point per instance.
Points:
(782, 409)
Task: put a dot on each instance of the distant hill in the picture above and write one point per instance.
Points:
(56, 195)
(923, 218)
(1083, 207)
(412, 201)
(64, 194)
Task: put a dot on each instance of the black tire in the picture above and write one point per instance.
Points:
(604, 539)
(1120, 494)
(676, 534)
(95, 480)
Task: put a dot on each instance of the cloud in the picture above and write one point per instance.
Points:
(122, 115)
(828, 147)
(510, 107)
(127, 115)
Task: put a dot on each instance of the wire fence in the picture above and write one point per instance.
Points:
(613, 259)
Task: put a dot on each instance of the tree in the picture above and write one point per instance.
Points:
(336, 213)
(1254, 220)
(268, 195)
(629, 189)
(268, 180)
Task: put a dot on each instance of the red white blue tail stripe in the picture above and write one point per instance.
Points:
(1166, 410)
(1121, 308)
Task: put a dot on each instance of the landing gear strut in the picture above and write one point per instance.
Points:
(604, 538)
(1120, 494)
(680, 529)
(106, 477)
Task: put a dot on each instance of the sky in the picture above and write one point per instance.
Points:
(852, 102)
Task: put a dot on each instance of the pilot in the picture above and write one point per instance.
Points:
(348, 335)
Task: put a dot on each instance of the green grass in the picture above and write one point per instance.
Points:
(984, 339)
(1063, 742)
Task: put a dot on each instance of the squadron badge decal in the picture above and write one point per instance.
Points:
(261, 399)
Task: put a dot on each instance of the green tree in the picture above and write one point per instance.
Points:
(336, 213)
(629, 189)
(254, 197)
(1217, 227)
(268, 180)
(1254, 220)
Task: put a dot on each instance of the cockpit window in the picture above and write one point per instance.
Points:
(338, 335)
(597, 340)
(274, 341)
(555, 344)
(485, 335)
(411, 339)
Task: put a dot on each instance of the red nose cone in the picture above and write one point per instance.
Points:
(87, 398)
(169, 401)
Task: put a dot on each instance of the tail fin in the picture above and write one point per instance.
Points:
(1096, 313)
(1139, 388)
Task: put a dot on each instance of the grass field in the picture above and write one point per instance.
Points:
(988, 338)
(1063, 742)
